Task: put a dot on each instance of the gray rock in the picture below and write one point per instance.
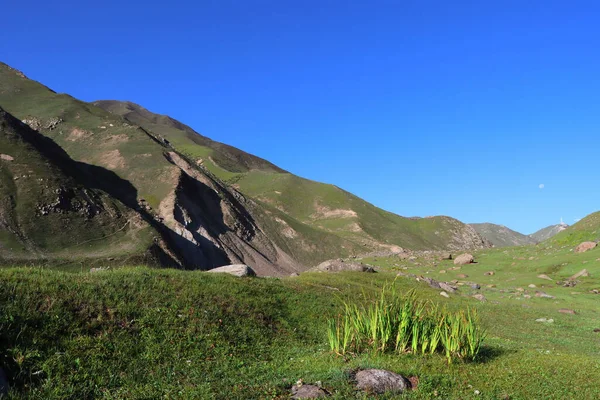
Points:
(543, 295)
(3, 383)
(381, 381)
(307, 392)
(239, 270)
(463, 259)
(475, 286)
(340, 265)
(447, 287)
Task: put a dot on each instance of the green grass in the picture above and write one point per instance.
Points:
(142, 333)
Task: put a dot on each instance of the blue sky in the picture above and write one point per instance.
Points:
(420, 107)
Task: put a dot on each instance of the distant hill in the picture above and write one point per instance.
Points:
(501, 236)
(207, 203)
(548, 232)
(586, 229)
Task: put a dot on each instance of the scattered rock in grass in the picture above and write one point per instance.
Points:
(444, 294)
(3, 383)
(581, 274)
(548, 320)
(307, 392)
(454, 281)
(597, 330)
(462, 276)
(92, 270)
(447, 287)
(380, 381)
(543, 295)
(520, 289)
(340, 265)
(567, 311)
(585, 246)
(490, 286)
(546, 277)
(532, 286)
(526, 296)
(446, 256)
(463, 259)
(6, 157)
(489, 273)
(475, 286)
(432, 283)
(595, 291)
(295, 275)
(479, 297)
(443, 271)
(239, 270)
(454, 268)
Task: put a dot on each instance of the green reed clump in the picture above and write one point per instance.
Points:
(404, 324)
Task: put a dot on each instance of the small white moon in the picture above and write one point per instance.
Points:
(541, 186)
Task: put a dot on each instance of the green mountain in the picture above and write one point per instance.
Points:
(548, 232)
(501, 236)
(53, 208)
(586, 229)
(208, 203)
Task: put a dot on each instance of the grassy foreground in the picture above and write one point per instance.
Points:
(139, 333)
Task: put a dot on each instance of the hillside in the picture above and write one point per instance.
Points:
(586, 229)
(501, 236)
(52, 207)
(213, 204)
(548, 232)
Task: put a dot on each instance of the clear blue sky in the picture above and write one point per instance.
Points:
(420, 107)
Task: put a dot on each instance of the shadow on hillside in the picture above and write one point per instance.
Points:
(95, 177)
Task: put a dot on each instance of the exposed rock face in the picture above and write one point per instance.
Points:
(585, 246)
(6, 157)
(381, 381)
(463, 259)
(339, 265)
(307, 392)
(239, 270)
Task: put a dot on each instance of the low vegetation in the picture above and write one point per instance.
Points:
(398, 323)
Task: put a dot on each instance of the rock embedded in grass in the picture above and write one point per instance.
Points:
(546, 277)
(543, 295)
(307, 392)
(444, 294)
(380, 381)
(463, 259)
(340, 265)
(239, 270)
(583, 273)
(479, 297)
(566, 311)
(489, 273)
(585, 246)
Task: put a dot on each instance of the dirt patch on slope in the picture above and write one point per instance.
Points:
(78, 134)
(324, 212)
(113, 160)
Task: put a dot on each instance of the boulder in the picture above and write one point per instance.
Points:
(585, 246)
(580, 274)
(447, 287)
(341, 265)
(307, 392)
(380, 381)
(6, 157)
(239, 270)
(3, 383)
(489, 273)
(479, 297)
(475, 286)
(464, 259)
(446, 256)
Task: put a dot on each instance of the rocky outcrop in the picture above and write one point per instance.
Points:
(307, 392)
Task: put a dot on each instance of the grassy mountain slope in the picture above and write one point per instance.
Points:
(49, 207)
(547, 232)
(320, 206)
(586, 229)
(501, 236)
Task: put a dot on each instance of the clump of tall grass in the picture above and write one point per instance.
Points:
(405, 324)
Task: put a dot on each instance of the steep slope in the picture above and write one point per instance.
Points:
(501, 236)
(48, 212)
(548, 232)
(323, 207)
(587, 229)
